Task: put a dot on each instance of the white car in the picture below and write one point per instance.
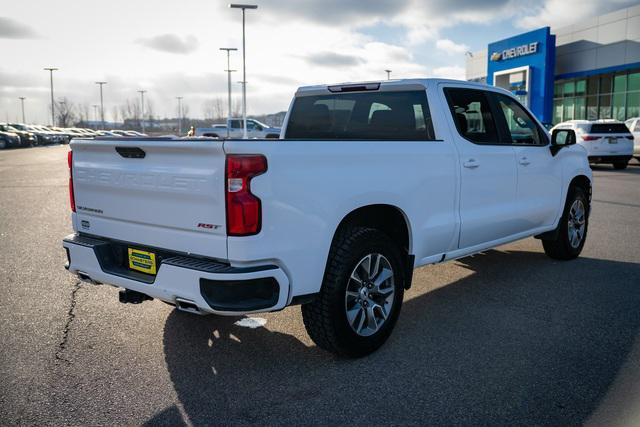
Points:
(233, 129)
(606, 141)
(368, 182)
(634, 127)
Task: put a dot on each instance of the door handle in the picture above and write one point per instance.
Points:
(470, 164)
(524, 161)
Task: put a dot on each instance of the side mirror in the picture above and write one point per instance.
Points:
(562, 138)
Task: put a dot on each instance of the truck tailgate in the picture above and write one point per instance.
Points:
(159, 193)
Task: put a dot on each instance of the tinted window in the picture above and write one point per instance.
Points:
(235, 124)
(472, 114)
(609, 128)
(520, 126)
(371, 115)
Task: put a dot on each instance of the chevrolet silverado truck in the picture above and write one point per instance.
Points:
(367, 182)
(233, 129)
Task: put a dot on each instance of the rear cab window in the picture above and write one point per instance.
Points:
(371, 115)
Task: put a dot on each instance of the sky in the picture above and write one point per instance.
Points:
(171, 48)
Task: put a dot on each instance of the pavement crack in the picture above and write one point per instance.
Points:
(71, 315)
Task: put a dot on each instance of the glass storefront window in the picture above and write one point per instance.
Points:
(634, 81)
(580, 108)
(569, 88)
(618, 106)
(620, 83)
(633, 104)
(605, 83)
(557, 90)
(605, 96)
(592, 108)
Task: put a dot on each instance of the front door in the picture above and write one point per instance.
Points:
(487, 169)
(539, 186)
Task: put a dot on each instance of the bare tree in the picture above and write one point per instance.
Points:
(65, 113)
(115, 113)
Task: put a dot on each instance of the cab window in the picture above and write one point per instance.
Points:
(521, 128)
(472, 115)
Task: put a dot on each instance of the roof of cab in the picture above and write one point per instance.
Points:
(323, 88)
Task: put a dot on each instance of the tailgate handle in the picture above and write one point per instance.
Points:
(131, 152)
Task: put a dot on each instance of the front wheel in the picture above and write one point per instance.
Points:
(572, 230)
(361, 294)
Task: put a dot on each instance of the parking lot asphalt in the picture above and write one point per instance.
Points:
(505, 337)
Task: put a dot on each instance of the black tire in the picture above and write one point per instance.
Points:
(560, 247)
(325, 318)
(620, 165)
(3, 144)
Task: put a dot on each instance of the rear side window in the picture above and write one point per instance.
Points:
(609, 128)
(472, 114)
(400, 115)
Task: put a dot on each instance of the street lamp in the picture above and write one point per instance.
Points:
(179, 98)
(142, 92)
(53, 113)
(101, 104)
(244, 67)
(229, 71)
(388, 74)
(95, 113)
(22, 98)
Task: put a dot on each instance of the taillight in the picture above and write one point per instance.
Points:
(589, 137)
(244, 211)
(72, 198)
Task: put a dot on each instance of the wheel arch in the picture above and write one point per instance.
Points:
(390, 220)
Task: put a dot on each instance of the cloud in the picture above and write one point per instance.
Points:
(449, 72)
(332, 59)
(559, 13)
(12, 29)
(170, 43)
(450, 47)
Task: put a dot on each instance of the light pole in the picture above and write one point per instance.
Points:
(244, 67)
(229, 71)
(53, 111)
(101, 104)
(142, 92)
(179, 98)
(388, 74)
(95, 113)
(22, 98)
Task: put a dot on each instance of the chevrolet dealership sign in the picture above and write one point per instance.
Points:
(515, 52)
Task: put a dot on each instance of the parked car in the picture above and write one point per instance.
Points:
(234, 128)
(634, 127)
(39, 139)
(606, 141)
(9, 140)
(27, 139)
(370, 181)
(130, 133)
(107, 133)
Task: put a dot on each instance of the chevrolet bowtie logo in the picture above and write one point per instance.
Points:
(496, 56)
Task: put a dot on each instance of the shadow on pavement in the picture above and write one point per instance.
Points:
(521, 340)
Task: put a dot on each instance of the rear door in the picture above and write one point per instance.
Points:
(167, 194)
(539, 187)
(487, 169)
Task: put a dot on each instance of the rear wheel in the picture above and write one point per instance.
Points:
(572, 230)
(620, 165)
(361, 294)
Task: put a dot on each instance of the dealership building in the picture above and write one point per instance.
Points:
(589, 70)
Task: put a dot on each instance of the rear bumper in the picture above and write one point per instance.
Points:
(609, 159)
(214, 287)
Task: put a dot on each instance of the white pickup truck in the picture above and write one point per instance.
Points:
(367, 182)
(233, 129)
